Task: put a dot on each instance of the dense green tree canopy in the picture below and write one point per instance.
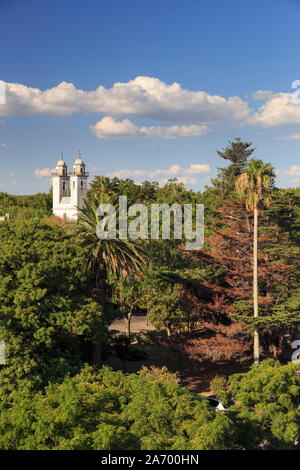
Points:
(112, 411)
(12, 204)
(269, 395)
(47, 318)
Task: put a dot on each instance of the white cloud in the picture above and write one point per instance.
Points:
(177, 170)
(126, 173)
(262, 95)
(290, 137)
(278, 110)
(4, 145)
(188, 113)
(184, 175)
(109, 128)
(95, 169)
(145, 97)
(174, 132)
(173, 170)
(42, 173)
(197, 168)
(181, 179)
(293, 171)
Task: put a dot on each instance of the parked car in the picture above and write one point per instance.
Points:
(217, 403)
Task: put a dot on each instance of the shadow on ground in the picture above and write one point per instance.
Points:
(196, 376)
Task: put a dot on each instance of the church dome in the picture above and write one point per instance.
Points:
(61, 167)
(61, 162)
(78, 161)
(79, 166)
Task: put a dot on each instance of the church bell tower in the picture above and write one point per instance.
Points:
(78, 183)
(61, 186)
(69, 189)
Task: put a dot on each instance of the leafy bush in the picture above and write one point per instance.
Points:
(269, 395)
(220, 388)
(112, 410)
(162, 374)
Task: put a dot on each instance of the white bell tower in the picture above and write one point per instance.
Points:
(61, 185)
(78, 183)
(69, 190)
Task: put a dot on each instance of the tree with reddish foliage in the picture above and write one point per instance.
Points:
(219, 342)
(228, 256)
(212, 342)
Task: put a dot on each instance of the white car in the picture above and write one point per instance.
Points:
(217, 404)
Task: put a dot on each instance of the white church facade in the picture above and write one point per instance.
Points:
(69, 189)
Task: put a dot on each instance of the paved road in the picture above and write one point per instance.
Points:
(138, 323)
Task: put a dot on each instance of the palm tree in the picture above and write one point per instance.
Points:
(116, 256)
(101, 184)
(254, 186)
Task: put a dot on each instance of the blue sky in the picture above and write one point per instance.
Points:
(177, 81)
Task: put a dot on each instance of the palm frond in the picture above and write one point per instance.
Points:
(116, 255)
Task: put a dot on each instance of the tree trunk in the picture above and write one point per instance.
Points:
(128, 324)
(98, 296)
(97, 356)
(98, 292)
(180, 363)
(255, 287)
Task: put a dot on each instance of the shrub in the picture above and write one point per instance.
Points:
(112, 411)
